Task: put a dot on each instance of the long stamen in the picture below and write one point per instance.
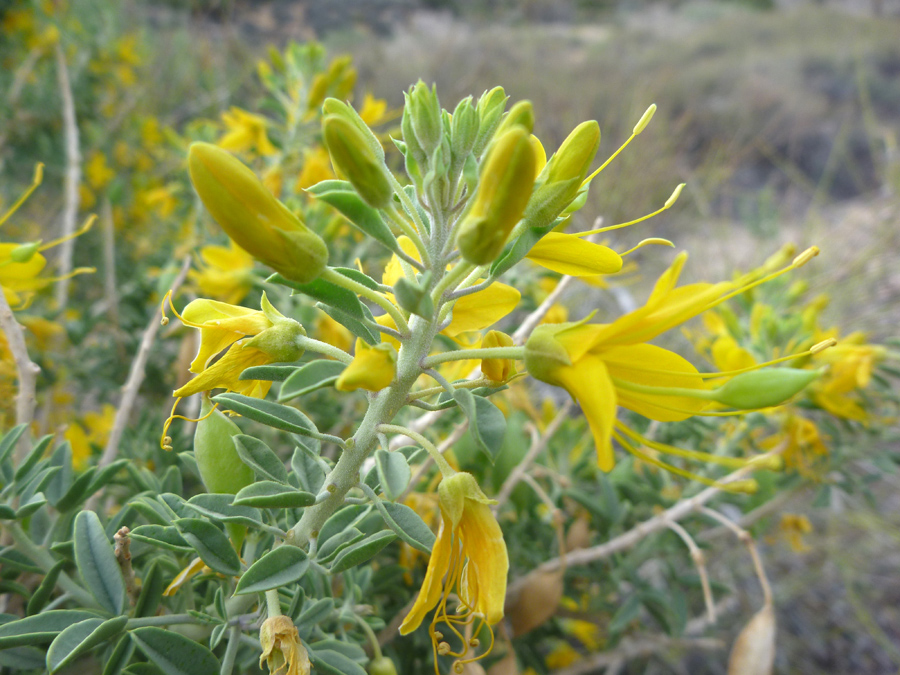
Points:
(638, 128)
(739, 486)
(772, 462)
(165, 320)
(77, 233)
(669, 202)
(165, 441)
(35, 182)
(656, 241)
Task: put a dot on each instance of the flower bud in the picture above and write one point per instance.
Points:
(382, 666)
(252, 217)
(463, 129)
(490, 111)
(763, 388)
(425, 116)
(497, 370)
(414, 297)
(504, 189)
(574, 157)
(353, 157)
(221, 469)
(372, 368)
(333, 106)
(521, 114)
(282, 650)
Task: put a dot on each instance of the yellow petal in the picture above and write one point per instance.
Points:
(567, 254)
(430, 592)
(482, 309)
(225, 374)
(641, 364)
(488, 561)
(587, 381)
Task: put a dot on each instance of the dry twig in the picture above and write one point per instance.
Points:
(26, 371)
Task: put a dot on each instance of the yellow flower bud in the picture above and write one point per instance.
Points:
(504, 189)
(497, 370)
(763, 388)
(353, 157)
(252, 217)
(521, 114)
(574, 157)
(372, 368)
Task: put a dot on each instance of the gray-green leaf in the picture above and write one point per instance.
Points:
(175, 654)
(285, 565)
(211, 545)
(97, 563)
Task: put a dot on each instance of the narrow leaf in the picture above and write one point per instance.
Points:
(211, 545)
(285, 565)
(173, 653)
(97, 563)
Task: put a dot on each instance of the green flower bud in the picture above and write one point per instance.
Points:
(382, 666)
(504, 188)
(221, 469)
(561, 179)
(252, 217)
(24, 252)
(521, 114)
(490, 111)
(763, 388)
(463, 129)
(414, 297)
(426, 116)
(353, 157)
(333, 106)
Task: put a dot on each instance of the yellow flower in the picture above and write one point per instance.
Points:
(245, 131)
(561, 656)
(471, 554)
(497, 370)
(162, 200)
(804, 448)
(851, 362)
(282, 650)
(603, 366)
(372, 368)
(373, 111)
(98, 172)
(567, 254)
(225, 273)
(272, 338)
(330, 331)
(316, 168)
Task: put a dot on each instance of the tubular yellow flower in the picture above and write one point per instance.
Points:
(252, 217)
(372, 368)
(471, 553)
(225, 273)
(504, 188)
(282, 651)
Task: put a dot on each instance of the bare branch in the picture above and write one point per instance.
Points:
(26, 371)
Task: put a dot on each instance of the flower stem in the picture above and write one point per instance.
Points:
(340, 280)
(517, 353)
(443, 465)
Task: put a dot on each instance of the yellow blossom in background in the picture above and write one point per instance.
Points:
(94, 432)
(151, 134)
(161, 200)
(97, 171)
(556, 314)
(793, 528)
(245, 131)
(225, 273)
(373, 111)
(850, 365)
(561, 656)
(803, 447)
(316, 168)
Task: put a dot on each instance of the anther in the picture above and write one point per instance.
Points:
(164, 321)
(438, 635)
(458, 667)
(474, 642)
(443, 648)
(806, 256)
(822, 346)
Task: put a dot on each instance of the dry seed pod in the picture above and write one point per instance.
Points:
(754, 650)
(579, 534)
(534, 600)
(505, 666)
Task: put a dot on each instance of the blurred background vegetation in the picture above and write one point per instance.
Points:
(782, 116)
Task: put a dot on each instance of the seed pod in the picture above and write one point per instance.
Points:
(382, 666)
(754, 650)
(504, 189)
(252, 217)
(221, 469)
(533, 600)
(353, 158)
(763, 388)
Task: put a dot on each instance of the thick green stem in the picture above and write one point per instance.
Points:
(311, 345)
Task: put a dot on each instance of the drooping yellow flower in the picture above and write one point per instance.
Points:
(245, 131)
(471, 554)
(252, 338)
(282, 651)
(225, 273)
(794, 527)
(850, 365)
